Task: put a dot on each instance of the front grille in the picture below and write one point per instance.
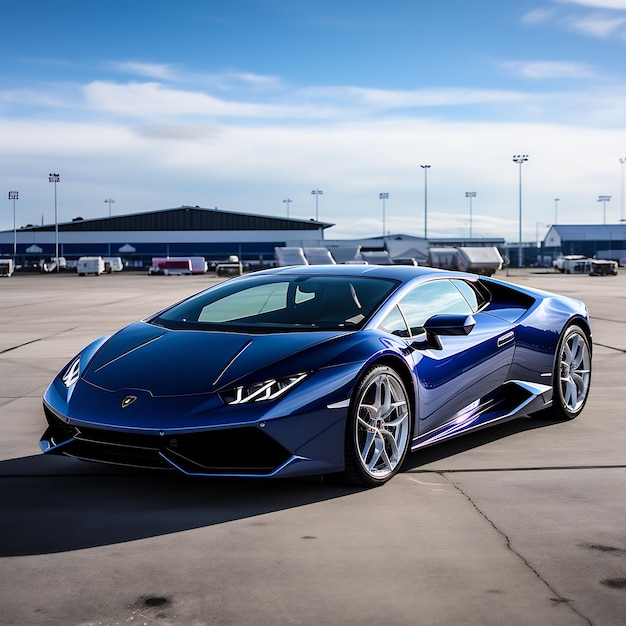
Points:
(231, 451)
(245, 450)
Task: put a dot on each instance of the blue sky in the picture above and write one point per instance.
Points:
(242, 104)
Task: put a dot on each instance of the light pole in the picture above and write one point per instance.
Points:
(520, 159)
(383, 196)
(109, 201)
(470, 195)
(425, 168)
(556, 209)
(14, 195)
(55, 178)
(317, 193)
(604, 200)
(622, 161)
(288, 201)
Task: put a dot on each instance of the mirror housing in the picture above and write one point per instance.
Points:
(446, 325)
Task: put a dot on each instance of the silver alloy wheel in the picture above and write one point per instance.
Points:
(574, 371)
(382, 425)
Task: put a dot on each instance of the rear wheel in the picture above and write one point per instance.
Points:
(378, 431)
(571, 377)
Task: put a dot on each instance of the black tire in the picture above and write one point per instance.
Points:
(571, 376)
(378, 429)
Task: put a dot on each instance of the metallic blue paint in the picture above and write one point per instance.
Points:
(500, 370)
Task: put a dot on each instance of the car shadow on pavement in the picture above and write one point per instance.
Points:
(52, 505)
(56, 504)
(470, 441)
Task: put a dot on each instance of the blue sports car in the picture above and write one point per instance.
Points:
(321, 369)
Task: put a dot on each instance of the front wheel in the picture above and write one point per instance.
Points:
(378, 431)
(571, 377)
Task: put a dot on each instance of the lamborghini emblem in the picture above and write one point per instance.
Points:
(128, 400)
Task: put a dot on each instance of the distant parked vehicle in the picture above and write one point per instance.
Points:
(196, 264)
(602, 267)
(90, 265)
(479, 260)
(6, 267)
(113, 263)
(579, 264)
(232, 266)
(567, 263)
(175, 268)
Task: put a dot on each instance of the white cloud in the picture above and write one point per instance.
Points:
(600, 26)
(148, 100)
(601, 19)
(252, 169)
(539, 16)
(397, 99)
(598, 4)
(551, 69)
(148, 70)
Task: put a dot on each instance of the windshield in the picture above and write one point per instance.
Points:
(273, 303)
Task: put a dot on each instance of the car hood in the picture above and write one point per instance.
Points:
(166, 362)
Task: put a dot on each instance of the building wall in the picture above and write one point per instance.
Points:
(213, 245)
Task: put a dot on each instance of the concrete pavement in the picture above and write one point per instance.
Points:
(520, 524)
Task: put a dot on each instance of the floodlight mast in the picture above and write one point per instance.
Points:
(604, 200)
(317, 193)
(425, 168)
(383, 196)
(520, 159)
(470, 195)
(14, 195)
(55, 178)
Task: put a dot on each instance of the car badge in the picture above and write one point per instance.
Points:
(128, 400)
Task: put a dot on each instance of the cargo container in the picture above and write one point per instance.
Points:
(479, 260)
(90, 265)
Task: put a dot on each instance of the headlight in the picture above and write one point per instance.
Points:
(260, 392)
(72, 372)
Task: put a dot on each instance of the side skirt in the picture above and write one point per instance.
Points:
(514, 399)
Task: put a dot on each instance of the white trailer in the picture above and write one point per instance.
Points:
(90, 265)
(6, 267)
(485, 260)
(114, 263)
(197, 264)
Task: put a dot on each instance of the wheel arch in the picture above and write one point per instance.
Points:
(583, 324)
(405, 374)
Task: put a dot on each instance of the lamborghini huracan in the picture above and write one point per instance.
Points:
(316, 370)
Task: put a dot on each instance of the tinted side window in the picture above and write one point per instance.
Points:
(434, 298)
(394, 323)
(469, 293)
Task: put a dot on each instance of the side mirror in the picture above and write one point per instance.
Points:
(446, 325)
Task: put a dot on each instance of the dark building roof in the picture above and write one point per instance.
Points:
(559, 233)
(184, 218)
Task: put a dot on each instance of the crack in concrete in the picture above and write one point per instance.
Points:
(27, 343)
(558, 598)
(602, 345)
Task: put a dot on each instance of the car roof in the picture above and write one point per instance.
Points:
(403, 273)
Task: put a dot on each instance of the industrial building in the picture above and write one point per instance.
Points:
(193, 231)
(184, 231)
(602, 241)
